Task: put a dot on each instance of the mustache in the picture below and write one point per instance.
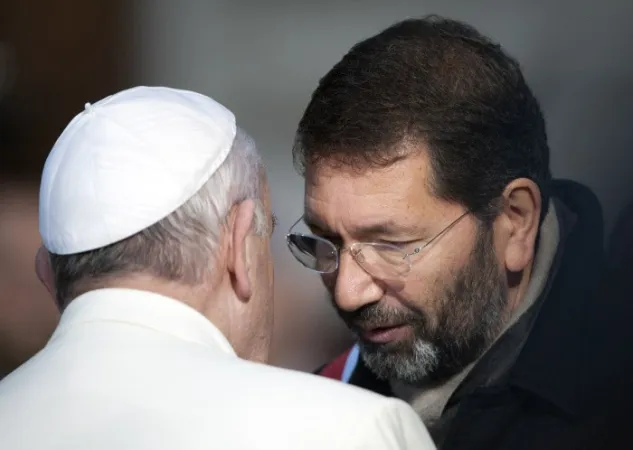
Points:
(376, 315)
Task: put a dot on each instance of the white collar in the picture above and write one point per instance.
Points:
(146, 309)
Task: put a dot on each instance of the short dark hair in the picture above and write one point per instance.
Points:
(434, 81)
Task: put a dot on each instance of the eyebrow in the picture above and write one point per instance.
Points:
(388, 227)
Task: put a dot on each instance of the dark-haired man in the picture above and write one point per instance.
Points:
(468, 275)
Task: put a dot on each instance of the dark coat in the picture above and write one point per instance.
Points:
(570, 386)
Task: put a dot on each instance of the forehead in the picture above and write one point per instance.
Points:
(399, 193)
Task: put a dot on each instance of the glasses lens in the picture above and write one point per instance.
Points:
(382, 261)
(313, 252)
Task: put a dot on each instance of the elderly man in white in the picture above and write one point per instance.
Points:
(155, 216)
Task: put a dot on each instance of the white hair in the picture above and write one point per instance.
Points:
(181, 246)
(236, 180)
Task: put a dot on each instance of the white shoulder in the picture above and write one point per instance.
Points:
(393, 425)
(295, 386)
(351, 417)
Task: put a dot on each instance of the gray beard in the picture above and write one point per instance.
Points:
(413, 368)
(472, 314)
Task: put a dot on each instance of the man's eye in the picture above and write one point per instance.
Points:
(404, 244)
(396, 244)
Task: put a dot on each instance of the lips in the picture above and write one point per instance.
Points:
(385, 334)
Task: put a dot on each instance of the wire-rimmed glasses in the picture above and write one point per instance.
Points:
(381, 260)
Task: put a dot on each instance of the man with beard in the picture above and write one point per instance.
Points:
(468, 275)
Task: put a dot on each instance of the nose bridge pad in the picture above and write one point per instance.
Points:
(355, 255)
(359, 258)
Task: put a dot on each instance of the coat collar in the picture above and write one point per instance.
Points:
(143, 309)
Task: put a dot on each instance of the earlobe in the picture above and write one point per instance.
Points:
(239, 264)
(522, 209)
(44, 271)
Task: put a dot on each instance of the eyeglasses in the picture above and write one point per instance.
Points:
(380, 260)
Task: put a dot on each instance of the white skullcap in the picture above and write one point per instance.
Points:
(127, 162)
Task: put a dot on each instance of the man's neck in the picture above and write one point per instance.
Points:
(194, 296)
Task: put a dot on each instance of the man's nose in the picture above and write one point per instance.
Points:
(354, 287)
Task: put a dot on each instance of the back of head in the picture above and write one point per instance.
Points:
(142, 184)
(436, 81)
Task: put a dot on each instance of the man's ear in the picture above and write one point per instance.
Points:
(44, 270)
(240, 227)
(522, 211)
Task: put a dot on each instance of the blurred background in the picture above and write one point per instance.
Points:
(263, 60)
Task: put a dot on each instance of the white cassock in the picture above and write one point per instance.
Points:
(133, 370)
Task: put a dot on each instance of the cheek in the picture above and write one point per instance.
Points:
(441, 263)
(417, 293)
(429, 279)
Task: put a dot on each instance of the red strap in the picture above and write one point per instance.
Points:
(335, 368)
